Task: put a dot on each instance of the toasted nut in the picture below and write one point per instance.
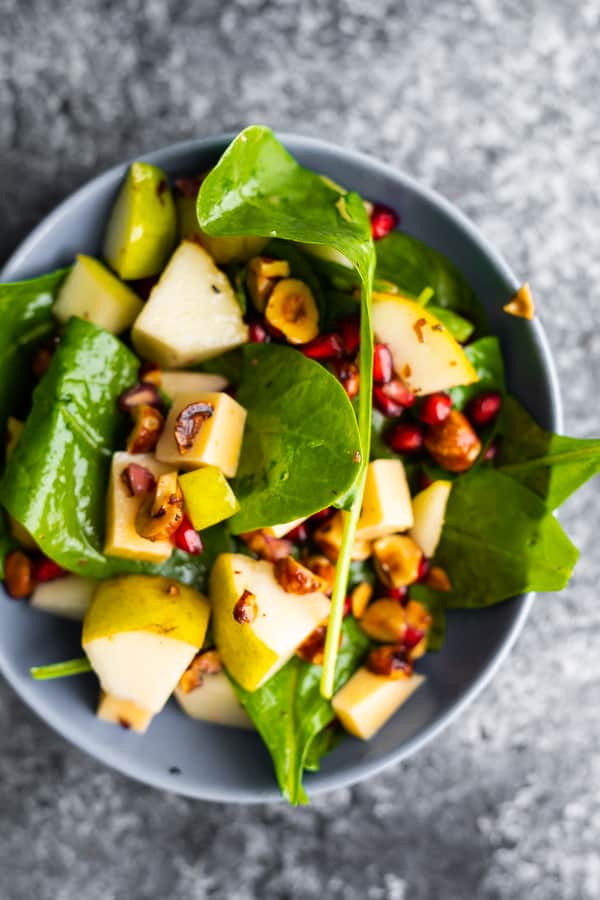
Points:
(417, 616)
(397, 560)
(161, 513)
(312, 649)
(245, 610)
(18, 578)
(265, 546)
(261, 277)
(391, 661)
(138, 480)
(188, 424)
(141, 393)
(348, 375)
(206, 663)
(437, 579)
(360, 598)
(150, 373)
(384, 620)
(453, 443)
(322, 567)
(147, 426)
(292, 310)
(329, 540)
(521, 304)
(295, 578)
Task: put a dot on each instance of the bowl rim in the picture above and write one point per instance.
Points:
(320, 782)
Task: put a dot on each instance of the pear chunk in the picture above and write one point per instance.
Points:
(367, 701)
(214, 700)
(279, 531)
(125, 713)
(143, 224)
(68, 596)
(192, 313)
(254, 647)
(425, 354)
(172, 383)
(93, 293)
(208, 497)
(386, 505)
(217, 440)
(429, 508)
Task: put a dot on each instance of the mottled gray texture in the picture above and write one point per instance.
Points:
(495, 103)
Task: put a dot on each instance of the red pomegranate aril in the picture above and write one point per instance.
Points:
(406, 437)
(347, 606)
(298, 535)
(383, 220)
(435, 409)
(138, 480)
(45, 569)
(187, 538)
(257, 333)
(319, 517)
(424, 567)
(385, 404)
(484, 408)
(397, 593)
(412, 637)
(326, 346)
(383, 367)
(350, 331)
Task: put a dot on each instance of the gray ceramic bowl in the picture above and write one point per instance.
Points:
(215, 763)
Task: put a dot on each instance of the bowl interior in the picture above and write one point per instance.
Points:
(212, 762)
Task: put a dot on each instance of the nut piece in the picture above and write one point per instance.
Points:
(140, 393)
(204, 663)
(321, 566)
(265, 546)
(453, 443)
(147, 426)
(189, 422)
(437, 579)
(293, 311)
(390, 661)
(261, 277)
(138, 480)
(312, 649)
(18, 577)
(161, 513)
(385, 620)
(521, 304)
(245, 610)
(295, 578)
(397, 560)
(329, 540)
(360, 598)
(418, 624)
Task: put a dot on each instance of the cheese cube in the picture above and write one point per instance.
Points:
(386, 505)
(367, 701)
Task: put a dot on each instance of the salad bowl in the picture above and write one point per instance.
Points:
(215, 763)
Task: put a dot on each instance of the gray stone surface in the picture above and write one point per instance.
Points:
(495, 103)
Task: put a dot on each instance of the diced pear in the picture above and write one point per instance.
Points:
(279, 531)
(386, 505)
(68, 596)
(218, 441)
(122, 538)
(326, 253)
(91, 292)
(367, 701)
(143, 224)
(222, 249)
(429, 509)
(125, 713)
(14, 429)
(140, 634)
(172, 383)
(192, 313)
(208, 497)
(253, 651)
(214, 701)
(425, 354)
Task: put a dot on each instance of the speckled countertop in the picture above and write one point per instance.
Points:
(494, 103)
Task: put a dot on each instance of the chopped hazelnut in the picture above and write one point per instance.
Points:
(161, 513)
(295, 578)
(18, 577)
(245, 610)
(390, 661)
(147, 426)
(204, 663)
(188, 424)
(397, 560)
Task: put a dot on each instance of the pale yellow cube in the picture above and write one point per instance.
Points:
(386, 507)
(122, 539)
(218, 441)
(173, 383)
(367, 701)
(91, 292)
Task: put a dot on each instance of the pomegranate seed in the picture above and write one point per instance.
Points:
(383, 220)
(424, 481)
(406, 437)
(319, 517)
(45, 569)
(385, 404)
(383, 368)
(326, 346)
(435, 409)
(347, 606)
(257, 334)
(397, 593)
(484, 407)
(424, 567)
(348, 375)
(137, 479)
(350, 331)
(491, 452)
(412, 637)
(299, 534)
(187, 538)
(275, 333)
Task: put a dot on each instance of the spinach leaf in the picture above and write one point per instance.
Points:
(296, 456)
(26, 316)
(499, 540)
(289, 711)
(486, 357)
(55, 483)
(550, 465)
(322, 744)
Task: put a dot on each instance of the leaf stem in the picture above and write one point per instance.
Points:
(61, 669)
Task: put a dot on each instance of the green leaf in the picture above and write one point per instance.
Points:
(322, 744)
(61, 669)
(550, 465)
(56, 481)
(289, 711)
(297, 458)
(499, 541)
(460, 328)
(486, 357)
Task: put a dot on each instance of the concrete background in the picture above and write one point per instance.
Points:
(494, 103)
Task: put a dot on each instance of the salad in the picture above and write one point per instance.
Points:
(259, 447)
